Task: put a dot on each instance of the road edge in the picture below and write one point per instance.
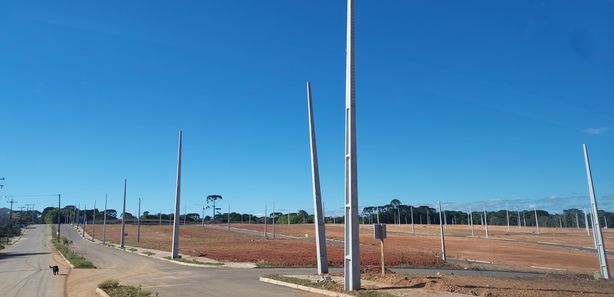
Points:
(102, 293)
(304, 288)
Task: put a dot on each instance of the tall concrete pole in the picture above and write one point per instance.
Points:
(519, 223)
(274, 220)
(123, 228)
(94, 222)
(485, 223)
(605, 219)
(138, 224)
(536, 220)
(445, 218)
(104, 221)
(351, 263)
(471, 220)
(560, 222)
(577, 221)
(507, 212)
(603, 260)
(176, 219)
(265, 222)
(411, 212)
(318, 219)
(59, 207)
(443, 241)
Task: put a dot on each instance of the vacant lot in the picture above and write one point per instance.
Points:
(520, 249)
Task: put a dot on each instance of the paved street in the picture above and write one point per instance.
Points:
(25, 266)
(167, 278)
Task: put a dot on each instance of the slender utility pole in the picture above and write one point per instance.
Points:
(519, 223)
(445, 218)
(507, 212)
(265, 223)
(59, 207)
(605, 219)
(138, 224)
(603, 258)
(411, 211)
(104, 221)
(175, 248)
(318, 219)
(94, 222)
(443, 241)
(351, 263)
(471, 220)
(122, 240)
(485, 223)
(577, 221)
(536, 220)
(274, 220)
(203, 218)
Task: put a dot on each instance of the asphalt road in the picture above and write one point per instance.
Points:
(168, 279)
(25, 266)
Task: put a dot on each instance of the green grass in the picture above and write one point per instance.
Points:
(194, 261)
(75, 259)
(132, 249)
(114, 289)
(149, 253)
(326, 285)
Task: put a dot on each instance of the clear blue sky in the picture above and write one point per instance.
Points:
(468, 104)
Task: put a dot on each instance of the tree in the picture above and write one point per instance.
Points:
(211, 199)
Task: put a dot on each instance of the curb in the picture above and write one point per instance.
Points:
(102, 293)
(304, 288)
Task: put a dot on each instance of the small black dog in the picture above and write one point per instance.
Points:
(55, 269)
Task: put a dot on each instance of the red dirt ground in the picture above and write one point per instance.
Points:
(401, 246)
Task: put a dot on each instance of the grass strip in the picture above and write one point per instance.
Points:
(114, 289)
(75, 259)
(326, 285)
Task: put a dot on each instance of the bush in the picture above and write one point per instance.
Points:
(114, 289)
(109, 284)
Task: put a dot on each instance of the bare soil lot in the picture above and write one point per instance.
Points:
(545, 286)
(520, 250)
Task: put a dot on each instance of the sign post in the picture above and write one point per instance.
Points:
(379, 233)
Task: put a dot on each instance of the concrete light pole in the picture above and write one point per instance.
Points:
(411, 212)
(123, 228)
(94, 222)
(471, 221)
(603, 260)
(485, 223)
(318, 219)
(588, 233)
(536, 220)
(265, 222)
(519, 223)
(59, 207)
(104, 221)
(577, 221)
(138, 223)
(273, 220)
(351, 263)
(443, 241)
(176, 219)
(507, 212)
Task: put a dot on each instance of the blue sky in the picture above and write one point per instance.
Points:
(481, 104)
